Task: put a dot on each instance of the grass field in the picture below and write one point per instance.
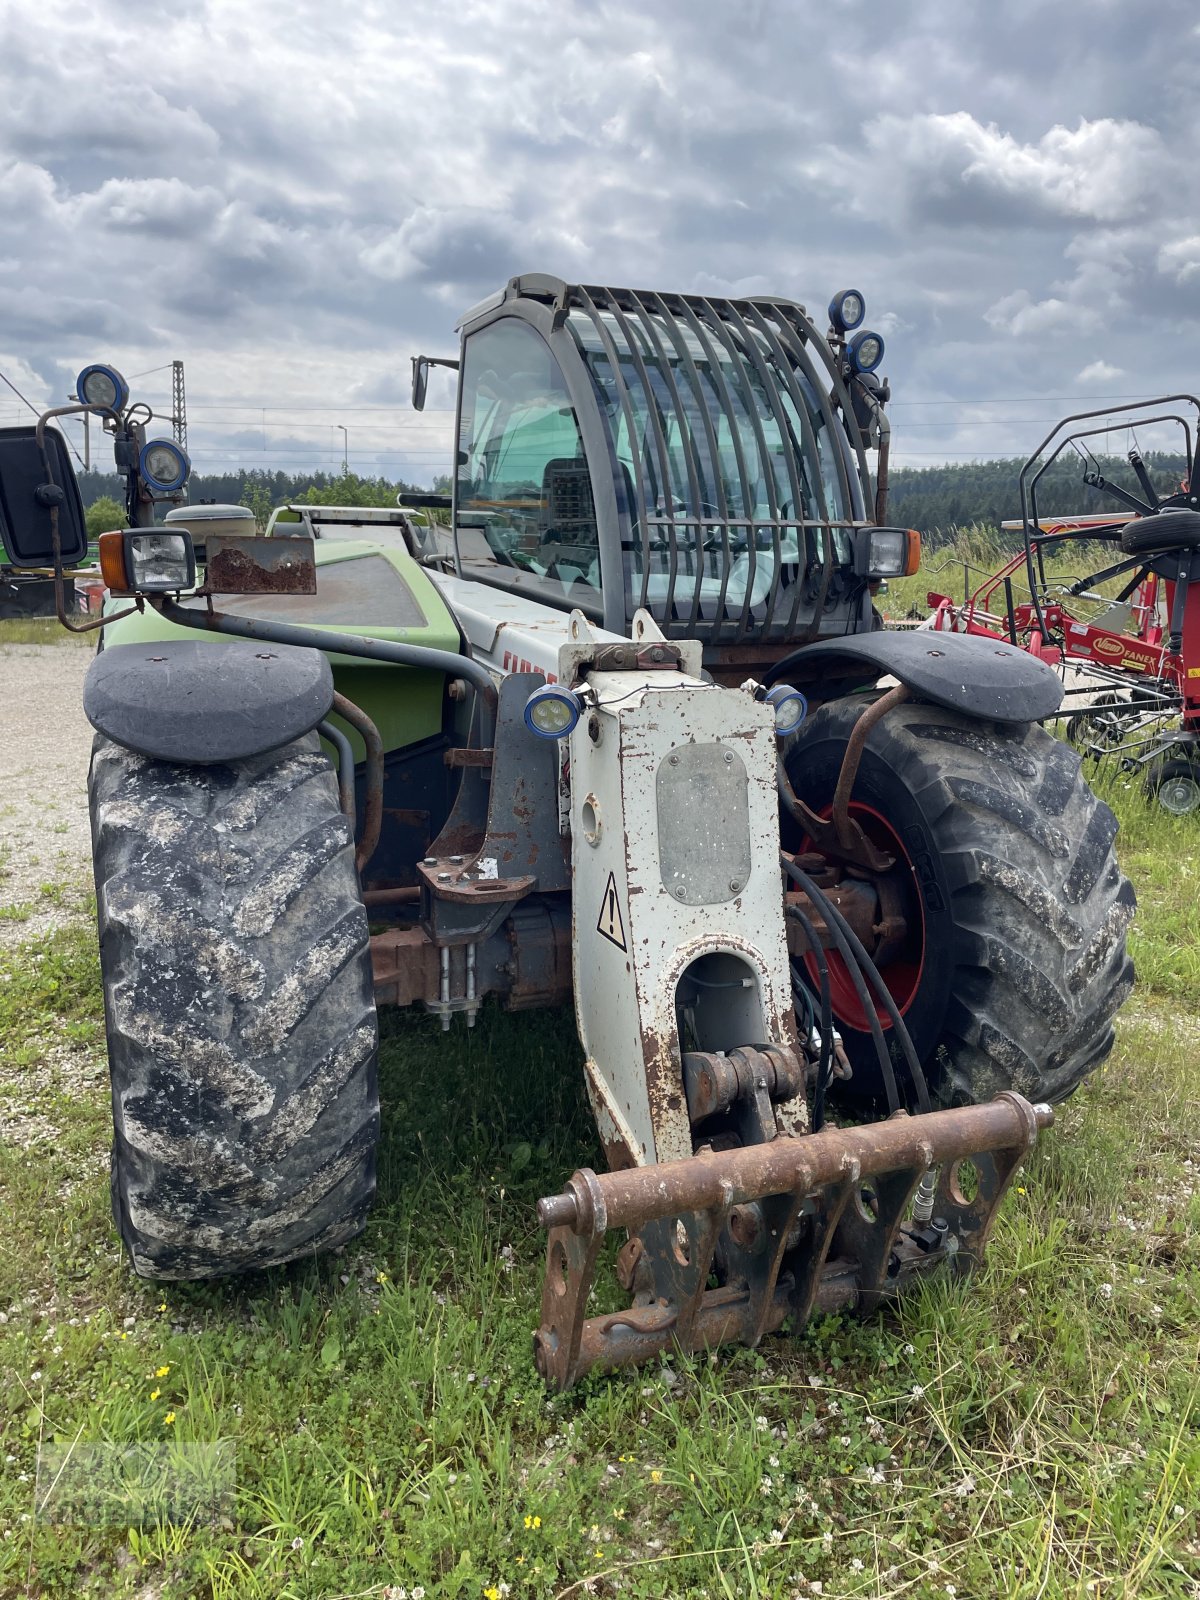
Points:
(1036, 1435)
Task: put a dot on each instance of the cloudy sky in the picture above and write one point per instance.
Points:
(295, 197)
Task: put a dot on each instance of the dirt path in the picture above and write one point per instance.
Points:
(45, 851)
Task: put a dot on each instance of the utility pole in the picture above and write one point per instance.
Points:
(345, 450)
(178, 407)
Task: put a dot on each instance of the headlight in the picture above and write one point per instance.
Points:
(100, 385)
(552, 711)
(147, 561)
(163, 466)
(791, 708)
(865, 351)
(893, 552)
(847, 309)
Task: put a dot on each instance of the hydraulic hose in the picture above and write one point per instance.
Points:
(860, 988)
(825, 1062)
(838, 926)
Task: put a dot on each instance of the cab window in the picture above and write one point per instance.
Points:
(524, 514)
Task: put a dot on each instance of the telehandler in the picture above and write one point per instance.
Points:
(616, 720)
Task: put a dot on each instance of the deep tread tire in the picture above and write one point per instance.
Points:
(242, 1038)
(1177, 529)
(1025, 908)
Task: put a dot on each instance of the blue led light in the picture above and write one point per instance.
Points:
(106, 385)
(552, 711)
(163, 466)
(847, 309)
(791, 708)
(865, 351)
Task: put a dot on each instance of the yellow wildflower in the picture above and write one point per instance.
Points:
(163, 1306)
(533, 1522)
(655, 1476)
(626, 1458)
(491, 1593)
(169, 1419)
(161, 1372)
(1020, 1190)
(381, 1277)
(154, 1393)
(619, 1513)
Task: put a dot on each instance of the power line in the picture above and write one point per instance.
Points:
(37, 413)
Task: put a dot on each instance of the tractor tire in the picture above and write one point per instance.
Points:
(1177, 529)
(1014, 961)
(1174, 782)
(239, 1008)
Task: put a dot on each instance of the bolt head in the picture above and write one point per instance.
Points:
(673, 760)
(734, 884)
(680, 892)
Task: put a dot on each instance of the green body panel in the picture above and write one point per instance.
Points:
(405, 704)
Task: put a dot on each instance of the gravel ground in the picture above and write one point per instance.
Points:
(45, 849)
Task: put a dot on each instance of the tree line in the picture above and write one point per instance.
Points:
(940, 501)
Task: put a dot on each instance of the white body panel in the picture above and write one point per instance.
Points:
(635, 934)
(509, 632)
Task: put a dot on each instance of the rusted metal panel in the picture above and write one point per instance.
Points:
(256, 565)
(404, 964)
(804, 1224)
(635, 939)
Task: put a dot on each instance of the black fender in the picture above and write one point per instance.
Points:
(199, 701)
(983, 678)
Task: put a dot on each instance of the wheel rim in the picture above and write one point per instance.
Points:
(902, 975)
(1180, 795)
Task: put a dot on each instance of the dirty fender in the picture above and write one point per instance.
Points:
(203, 701)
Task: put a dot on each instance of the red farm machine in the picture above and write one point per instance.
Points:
(1129, 656)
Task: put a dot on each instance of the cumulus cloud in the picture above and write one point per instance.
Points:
(952, 166)
(1098, 372)
(1181, 259)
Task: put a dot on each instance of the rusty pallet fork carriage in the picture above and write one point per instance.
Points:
(824, 1223)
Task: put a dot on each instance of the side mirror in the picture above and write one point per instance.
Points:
(420, 381)
(27, 500)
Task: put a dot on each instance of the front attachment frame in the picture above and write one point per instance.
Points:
(818, 1222)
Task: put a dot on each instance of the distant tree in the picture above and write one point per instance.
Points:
(348, 489)
(256, 497)
(103, 516)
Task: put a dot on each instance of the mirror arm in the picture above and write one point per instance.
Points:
(60, 598)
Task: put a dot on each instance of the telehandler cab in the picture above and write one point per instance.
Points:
(624, 727)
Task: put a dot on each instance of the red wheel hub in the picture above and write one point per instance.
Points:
(902, 973)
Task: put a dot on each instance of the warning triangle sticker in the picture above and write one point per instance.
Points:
(609, 922)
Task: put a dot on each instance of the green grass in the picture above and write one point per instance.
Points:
(40, 630)
(1036, 1435)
